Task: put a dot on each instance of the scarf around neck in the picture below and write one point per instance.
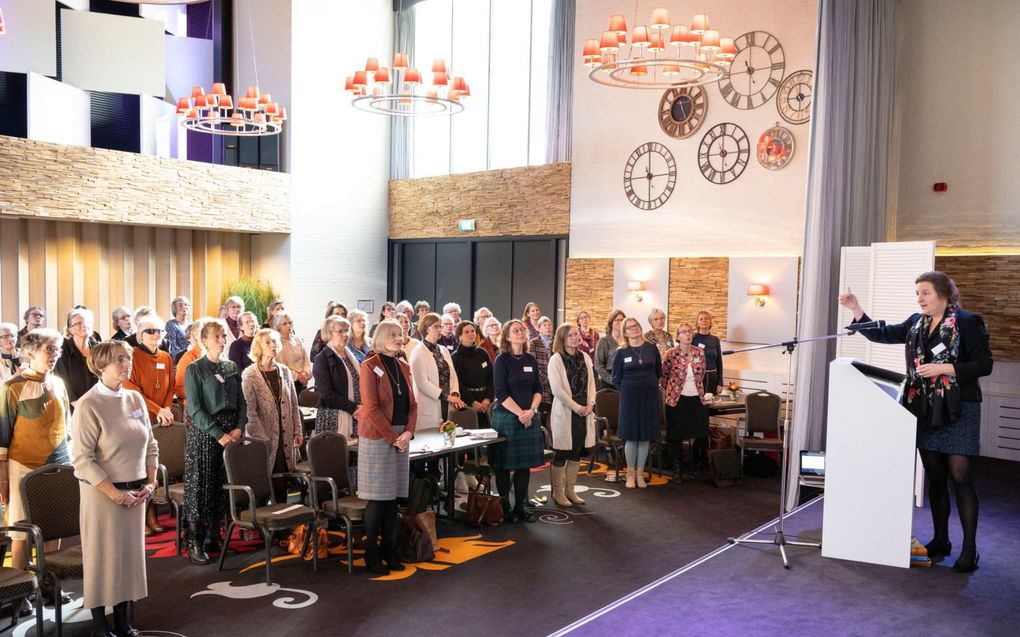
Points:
(935, 401)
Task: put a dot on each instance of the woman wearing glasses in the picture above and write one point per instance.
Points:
(72, 366)
(637, 368)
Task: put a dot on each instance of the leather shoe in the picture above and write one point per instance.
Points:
(127, 632)
(197, 554)
(523, 515)
(938, 550)
(968, 566)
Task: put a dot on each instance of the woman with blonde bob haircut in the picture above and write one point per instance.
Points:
(337, 380)
(273, 413)
(572, 417)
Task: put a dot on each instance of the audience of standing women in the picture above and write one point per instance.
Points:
(490, 343)
(333, 308)
(532, 312)
(176, 327)
(10, 357)
(709, 342)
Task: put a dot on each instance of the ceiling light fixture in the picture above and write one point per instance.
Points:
(658, 55)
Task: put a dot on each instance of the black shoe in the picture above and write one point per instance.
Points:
(523, 515)
(197, 554)
(127, 632)
(212, 543)
(372, 561)
(967, 566)
(393, 563)
(938, 550)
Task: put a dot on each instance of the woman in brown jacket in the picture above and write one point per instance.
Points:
(386, 421)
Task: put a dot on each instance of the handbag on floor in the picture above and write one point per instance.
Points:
(483, 508)
(413, 545)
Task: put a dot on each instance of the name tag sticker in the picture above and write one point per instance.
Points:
(938, 349)
(160, 365)
(220, 378)
(138, 413)
(485, 364)
(701, 345)
(628, 359)
(528, 369)
(378, 372)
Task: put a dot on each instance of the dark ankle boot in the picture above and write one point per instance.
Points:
(372, 559)
(122, 621)
(968, 560)
(196, 550)
(388, 545)
(212, 543)
(99, 626)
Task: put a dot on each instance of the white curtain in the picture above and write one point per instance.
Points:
(851, 127)
(402, 128)
(559, 116)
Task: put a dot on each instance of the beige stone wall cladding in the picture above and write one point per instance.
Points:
(590, 288)
(990, 286)
(528, 201)
(697, 284)
(77, 183)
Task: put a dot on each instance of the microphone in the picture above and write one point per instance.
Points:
(870, 325)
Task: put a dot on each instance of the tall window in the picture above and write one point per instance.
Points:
(502, 47)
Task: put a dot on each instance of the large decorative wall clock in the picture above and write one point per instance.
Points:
(756, 71)
(775, 148)
(723, 153)
(682, 110)
(649, 176)
(794, 98)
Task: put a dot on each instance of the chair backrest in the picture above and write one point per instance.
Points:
(171, 441)
(762, 410)
(327, 458)
(308, 397)
(52, 501)
(247, 463)
(607, 405)
(466, 418)
(177, 411)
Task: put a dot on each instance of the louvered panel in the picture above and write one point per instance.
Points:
(855, 276)
(894, 268)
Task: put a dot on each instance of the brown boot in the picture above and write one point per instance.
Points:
(151, 522)
(558, 483)
(573, 466)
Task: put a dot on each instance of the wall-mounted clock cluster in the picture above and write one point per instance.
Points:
(755, 76)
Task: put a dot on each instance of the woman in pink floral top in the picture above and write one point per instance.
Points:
(683, 377)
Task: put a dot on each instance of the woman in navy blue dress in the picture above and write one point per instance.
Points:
(947, 351)
(637, 368)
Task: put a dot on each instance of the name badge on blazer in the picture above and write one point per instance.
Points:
(138, 413)
(701, 345)
(378, 371)
(220, 378)
(485, 364)
(160, 365)
(628, 359)
(528, 369)
(938, 349)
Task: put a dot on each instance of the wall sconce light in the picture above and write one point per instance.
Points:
(759, 292)
(636, 287)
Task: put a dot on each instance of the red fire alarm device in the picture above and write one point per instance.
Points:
(941, 186)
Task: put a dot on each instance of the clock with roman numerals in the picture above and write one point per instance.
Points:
(755, 73)
(682, 110)
(794, 98)
(649, 176)
(723, 154)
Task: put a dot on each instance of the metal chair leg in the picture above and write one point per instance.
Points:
(57, 606)
(226, 544)
(315, 544)
(349, 532)
(38, 613)
(267, 536)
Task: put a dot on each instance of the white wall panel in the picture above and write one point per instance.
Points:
(189, 62)
(774, 322)
(30, 44)
(58, 112)
(113, 53)
(654, 277)
(156, 121)
(173, 17)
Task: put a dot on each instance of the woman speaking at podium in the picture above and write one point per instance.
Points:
(947, 351)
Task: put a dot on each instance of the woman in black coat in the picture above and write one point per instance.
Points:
(946, 351)
(337, 380)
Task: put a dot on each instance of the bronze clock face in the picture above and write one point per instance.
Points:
(724, 152)
(794, 97)
(649, 176)
(775, 148)
(682, 110)
(756, 71)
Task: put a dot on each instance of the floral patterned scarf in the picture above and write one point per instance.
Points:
(935, 401)
(441, 366)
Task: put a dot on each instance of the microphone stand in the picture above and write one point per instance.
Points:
(779, 539)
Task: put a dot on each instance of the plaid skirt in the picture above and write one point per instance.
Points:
(524, 447)
(382, 471)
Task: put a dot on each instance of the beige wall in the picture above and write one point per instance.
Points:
(54, 181)
(59, 264)
(528, 201)
(990, 286)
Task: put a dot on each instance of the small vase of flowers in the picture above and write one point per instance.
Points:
(733, 390)
(448, 428)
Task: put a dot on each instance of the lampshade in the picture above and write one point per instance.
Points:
(639, 70)
(372, 65)
(699, 24)
(439, 78)
(218, 88)
(459, 85)
(610, 42)
(660, 19)
(635, 286)
(360, 78)
(640, 37)
(225, 102)
(3, 25)
(438, 66)
(349, 83)
(400, 62)
(757, 289)
(196, 91)
(656, 45)
(680, 35)
(183, 105)
(710, 40)
(618, 23)
(727, 50)
(591, 48)
(382, 76)
(412, 76)
(252, 92)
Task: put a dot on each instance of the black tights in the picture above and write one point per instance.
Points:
(942, 467)
(699, 452)
(121, 619)
(561, 456)
(521, 479)
(380, 517)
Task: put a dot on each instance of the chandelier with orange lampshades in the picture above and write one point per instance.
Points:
(3, 25)
(658, 55)
(398, 90)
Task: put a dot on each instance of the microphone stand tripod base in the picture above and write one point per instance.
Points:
(778, 540)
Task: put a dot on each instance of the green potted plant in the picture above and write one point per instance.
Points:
(257, 294)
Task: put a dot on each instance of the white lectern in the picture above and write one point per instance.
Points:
(869, 469)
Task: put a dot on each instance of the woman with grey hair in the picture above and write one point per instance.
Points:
(121, 316)
(492, 328)
(233, 306)
(337, 380)
(72, 366)
(176, 327)
(10, 360)
(136, 318)
(292, 351)
(360, 344)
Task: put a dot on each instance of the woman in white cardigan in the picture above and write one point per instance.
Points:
(435, 380)
(572, 419)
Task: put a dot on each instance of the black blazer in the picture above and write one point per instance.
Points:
(74, 370)
(974, 359)
(330, 376)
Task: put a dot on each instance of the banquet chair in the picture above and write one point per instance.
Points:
(52, 504)
(17, 584)
(170, 476)
(607, 414)
(761, 411)
(249, 483)
(308, 397)
(327, 459)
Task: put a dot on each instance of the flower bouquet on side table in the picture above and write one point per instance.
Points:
(449, 430)
(732, 390)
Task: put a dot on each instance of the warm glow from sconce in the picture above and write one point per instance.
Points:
(759, 292)
(636, 287)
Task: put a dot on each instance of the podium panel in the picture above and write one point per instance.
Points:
(869, 473)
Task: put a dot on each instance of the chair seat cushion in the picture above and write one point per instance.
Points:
(351, 506)
(303, 467)
(269, 516)
(15, 583)
(66, 563)
(749, 442)
(176, 494)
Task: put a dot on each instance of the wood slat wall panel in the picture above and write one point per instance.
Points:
(59, 264)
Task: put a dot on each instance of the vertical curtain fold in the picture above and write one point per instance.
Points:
(559, 113)
(851, 127)
(402, 128)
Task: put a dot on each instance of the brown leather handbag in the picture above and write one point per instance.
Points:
(483, 508)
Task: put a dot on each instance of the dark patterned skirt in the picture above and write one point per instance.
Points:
(524, 447)
(960, 438)
(204, 472)
(689, 419)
